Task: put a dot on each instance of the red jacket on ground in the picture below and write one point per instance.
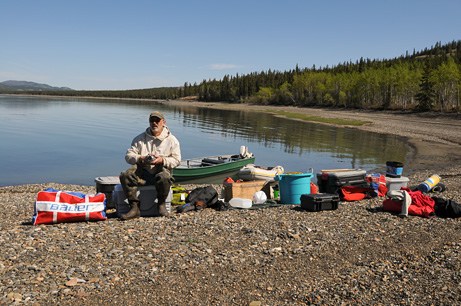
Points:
(421, 204)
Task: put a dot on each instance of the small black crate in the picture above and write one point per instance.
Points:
(319, 201)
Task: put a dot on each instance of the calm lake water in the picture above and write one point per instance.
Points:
(72, 141)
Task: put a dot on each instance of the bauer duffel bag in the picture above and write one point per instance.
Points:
(56, 206)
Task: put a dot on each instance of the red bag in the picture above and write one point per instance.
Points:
(314, 188)
(421, 204)
(55, 206)
(355, 193)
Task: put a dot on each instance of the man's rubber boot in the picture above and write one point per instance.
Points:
(162, 211)
(133, 213)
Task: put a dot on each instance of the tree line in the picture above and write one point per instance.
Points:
(426, 80)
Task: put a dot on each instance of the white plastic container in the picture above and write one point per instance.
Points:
(240, 203)
(395, 183)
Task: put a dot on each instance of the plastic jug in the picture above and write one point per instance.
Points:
(240, 203)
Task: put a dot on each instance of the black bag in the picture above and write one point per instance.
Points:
(200, 198)
(447, 208)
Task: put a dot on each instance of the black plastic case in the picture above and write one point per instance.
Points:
(332, 181)
(319, 201)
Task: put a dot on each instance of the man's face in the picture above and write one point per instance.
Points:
(156, 125)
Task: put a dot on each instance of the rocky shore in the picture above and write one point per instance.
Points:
(357, 254)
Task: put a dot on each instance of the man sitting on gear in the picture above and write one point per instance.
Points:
(153, 154)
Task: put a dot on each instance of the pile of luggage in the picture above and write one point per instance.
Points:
(333, 186)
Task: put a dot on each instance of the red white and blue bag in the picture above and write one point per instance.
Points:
(56, 206)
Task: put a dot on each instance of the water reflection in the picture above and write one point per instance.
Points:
(296, 137)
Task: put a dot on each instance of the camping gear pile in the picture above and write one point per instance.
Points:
(258, 187)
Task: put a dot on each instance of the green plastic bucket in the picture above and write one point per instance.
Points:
(292, 186)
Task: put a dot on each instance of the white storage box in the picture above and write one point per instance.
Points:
(148, 197)
(395, 183)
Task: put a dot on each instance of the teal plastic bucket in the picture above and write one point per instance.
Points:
(292, 186)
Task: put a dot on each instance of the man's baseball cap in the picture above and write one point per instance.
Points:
(157, 114)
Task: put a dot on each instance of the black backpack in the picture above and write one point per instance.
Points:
(447, 208)
(200, 198)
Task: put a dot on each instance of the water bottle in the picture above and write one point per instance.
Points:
(240, 203)
(276, 192)
(168, 206)
(429, 183)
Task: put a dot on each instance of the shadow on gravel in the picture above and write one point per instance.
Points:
(380, 210)
(112, 215)
(298, 208)
(375, 209)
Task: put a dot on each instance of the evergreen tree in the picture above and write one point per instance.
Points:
(426, 95)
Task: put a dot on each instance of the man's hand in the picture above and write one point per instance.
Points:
(151, 160)
(158, 161)
(143, 160)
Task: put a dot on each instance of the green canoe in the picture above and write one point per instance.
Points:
(202, 167)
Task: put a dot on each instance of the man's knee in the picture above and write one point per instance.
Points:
(164, 178)
(129, 177)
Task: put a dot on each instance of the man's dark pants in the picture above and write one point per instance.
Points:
(137, 176)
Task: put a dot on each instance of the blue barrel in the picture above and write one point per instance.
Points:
(292, 186)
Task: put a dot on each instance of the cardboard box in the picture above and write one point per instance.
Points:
(245, 190)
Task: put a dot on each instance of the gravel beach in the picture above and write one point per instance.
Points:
(356, 254)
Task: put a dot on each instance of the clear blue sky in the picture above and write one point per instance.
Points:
(114, 44)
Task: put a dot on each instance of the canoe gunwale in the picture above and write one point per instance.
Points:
(198, 162)
(196, 168)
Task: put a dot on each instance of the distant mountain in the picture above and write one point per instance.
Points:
(28, 86)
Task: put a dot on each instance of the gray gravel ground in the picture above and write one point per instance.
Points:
(357, 254)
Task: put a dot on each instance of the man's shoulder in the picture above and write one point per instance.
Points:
(174, 139)
(139, 137)
(170, 136)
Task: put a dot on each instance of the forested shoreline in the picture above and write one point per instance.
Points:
(428, 80)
